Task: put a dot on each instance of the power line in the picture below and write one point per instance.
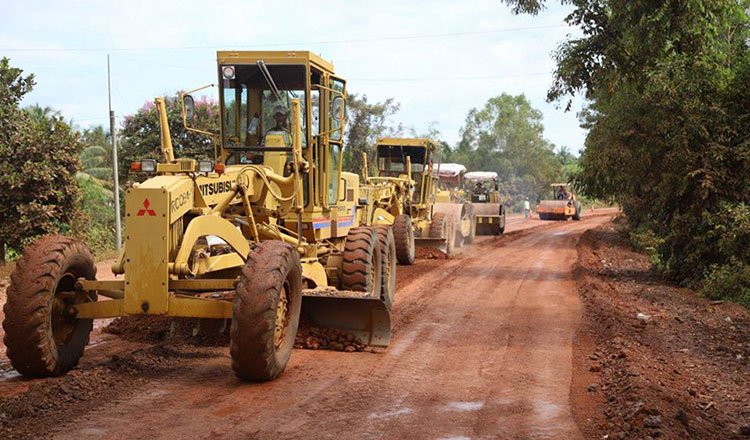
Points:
(298, 43)
(457, 78)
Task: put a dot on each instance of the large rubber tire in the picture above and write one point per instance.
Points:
(387, 245)
(438, 227)
(362, 267)
(42, 337)
(265, 315)
(403, 233)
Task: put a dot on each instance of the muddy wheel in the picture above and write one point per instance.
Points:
(362, 267)
(266, 311)
(438, 227)
(403, 233)
(387, 246)
(42, 335)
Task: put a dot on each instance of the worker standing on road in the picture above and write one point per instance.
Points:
(526, 208)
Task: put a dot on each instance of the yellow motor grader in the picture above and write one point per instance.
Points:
(264, 233)
(403, 195)
(563, 206)
(452, 199)
(489, 213)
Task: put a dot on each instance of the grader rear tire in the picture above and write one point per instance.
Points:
(362, 267)
(265, 315)
(42, 335)
(387, 246)
(403, 233)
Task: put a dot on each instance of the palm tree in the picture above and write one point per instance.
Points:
(40, 114)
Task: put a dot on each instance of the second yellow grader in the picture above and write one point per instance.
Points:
(403, 195)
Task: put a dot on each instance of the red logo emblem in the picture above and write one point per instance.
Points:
(145, 209)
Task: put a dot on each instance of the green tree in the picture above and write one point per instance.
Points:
(140, 136)
(506, 135)
(38, 164)
(365, 123)
(668, 118)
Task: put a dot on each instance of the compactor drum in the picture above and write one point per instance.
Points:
(264, 234)
(484, 194)
(563, 206)
(452, 200)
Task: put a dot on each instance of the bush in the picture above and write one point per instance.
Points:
(729, 281)
(95, 220)
(645, 240)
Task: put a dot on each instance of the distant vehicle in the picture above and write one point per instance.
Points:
(489, 213)
(562, 206)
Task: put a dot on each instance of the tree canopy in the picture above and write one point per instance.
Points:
(38, 164)
(506, 135)
(667, 87)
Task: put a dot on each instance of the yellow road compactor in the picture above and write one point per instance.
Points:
(452, 200)
(264, 233)
(563, 206)
(484, 194)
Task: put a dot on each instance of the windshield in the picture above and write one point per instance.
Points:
(251, 110)
(392, 159)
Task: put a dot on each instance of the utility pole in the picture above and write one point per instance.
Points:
(115, 179)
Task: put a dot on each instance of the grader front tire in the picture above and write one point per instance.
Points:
(387, 246)
(42, 335)
(266, 311)
(403, 233)
(361, 269)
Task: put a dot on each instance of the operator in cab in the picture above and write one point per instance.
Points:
(280, 116)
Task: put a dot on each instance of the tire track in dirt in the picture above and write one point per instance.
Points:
(481, 349)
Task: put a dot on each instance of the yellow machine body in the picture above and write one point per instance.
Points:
(482, 191)
(188, 232)
(562, 206)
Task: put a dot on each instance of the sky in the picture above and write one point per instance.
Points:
(438, 59)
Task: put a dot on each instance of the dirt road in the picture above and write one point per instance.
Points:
(481, 348)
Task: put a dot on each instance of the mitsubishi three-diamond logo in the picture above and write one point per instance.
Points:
(145, 209)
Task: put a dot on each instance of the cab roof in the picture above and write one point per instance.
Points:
(224, 57)
(411, 142)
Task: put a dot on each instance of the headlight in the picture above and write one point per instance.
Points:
(228, 72)
(205, 166)
(148, 165)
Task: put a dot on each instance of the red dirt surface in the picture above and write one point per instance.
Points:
(482, 347)
(679, 371)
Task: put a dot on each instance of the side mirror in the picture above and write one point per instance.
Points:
(338, 104)
(188, 106)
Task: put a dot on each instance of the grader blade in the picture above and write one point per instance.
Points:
(366, 318)
(440, 244)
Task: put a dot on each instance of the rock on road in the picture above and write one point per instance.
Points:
(481, 348)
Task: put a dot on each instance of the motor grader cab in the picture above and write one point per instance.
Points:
(451, 199)
(261, 235)
(489, 213)
(562, 206)
(404, 189)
